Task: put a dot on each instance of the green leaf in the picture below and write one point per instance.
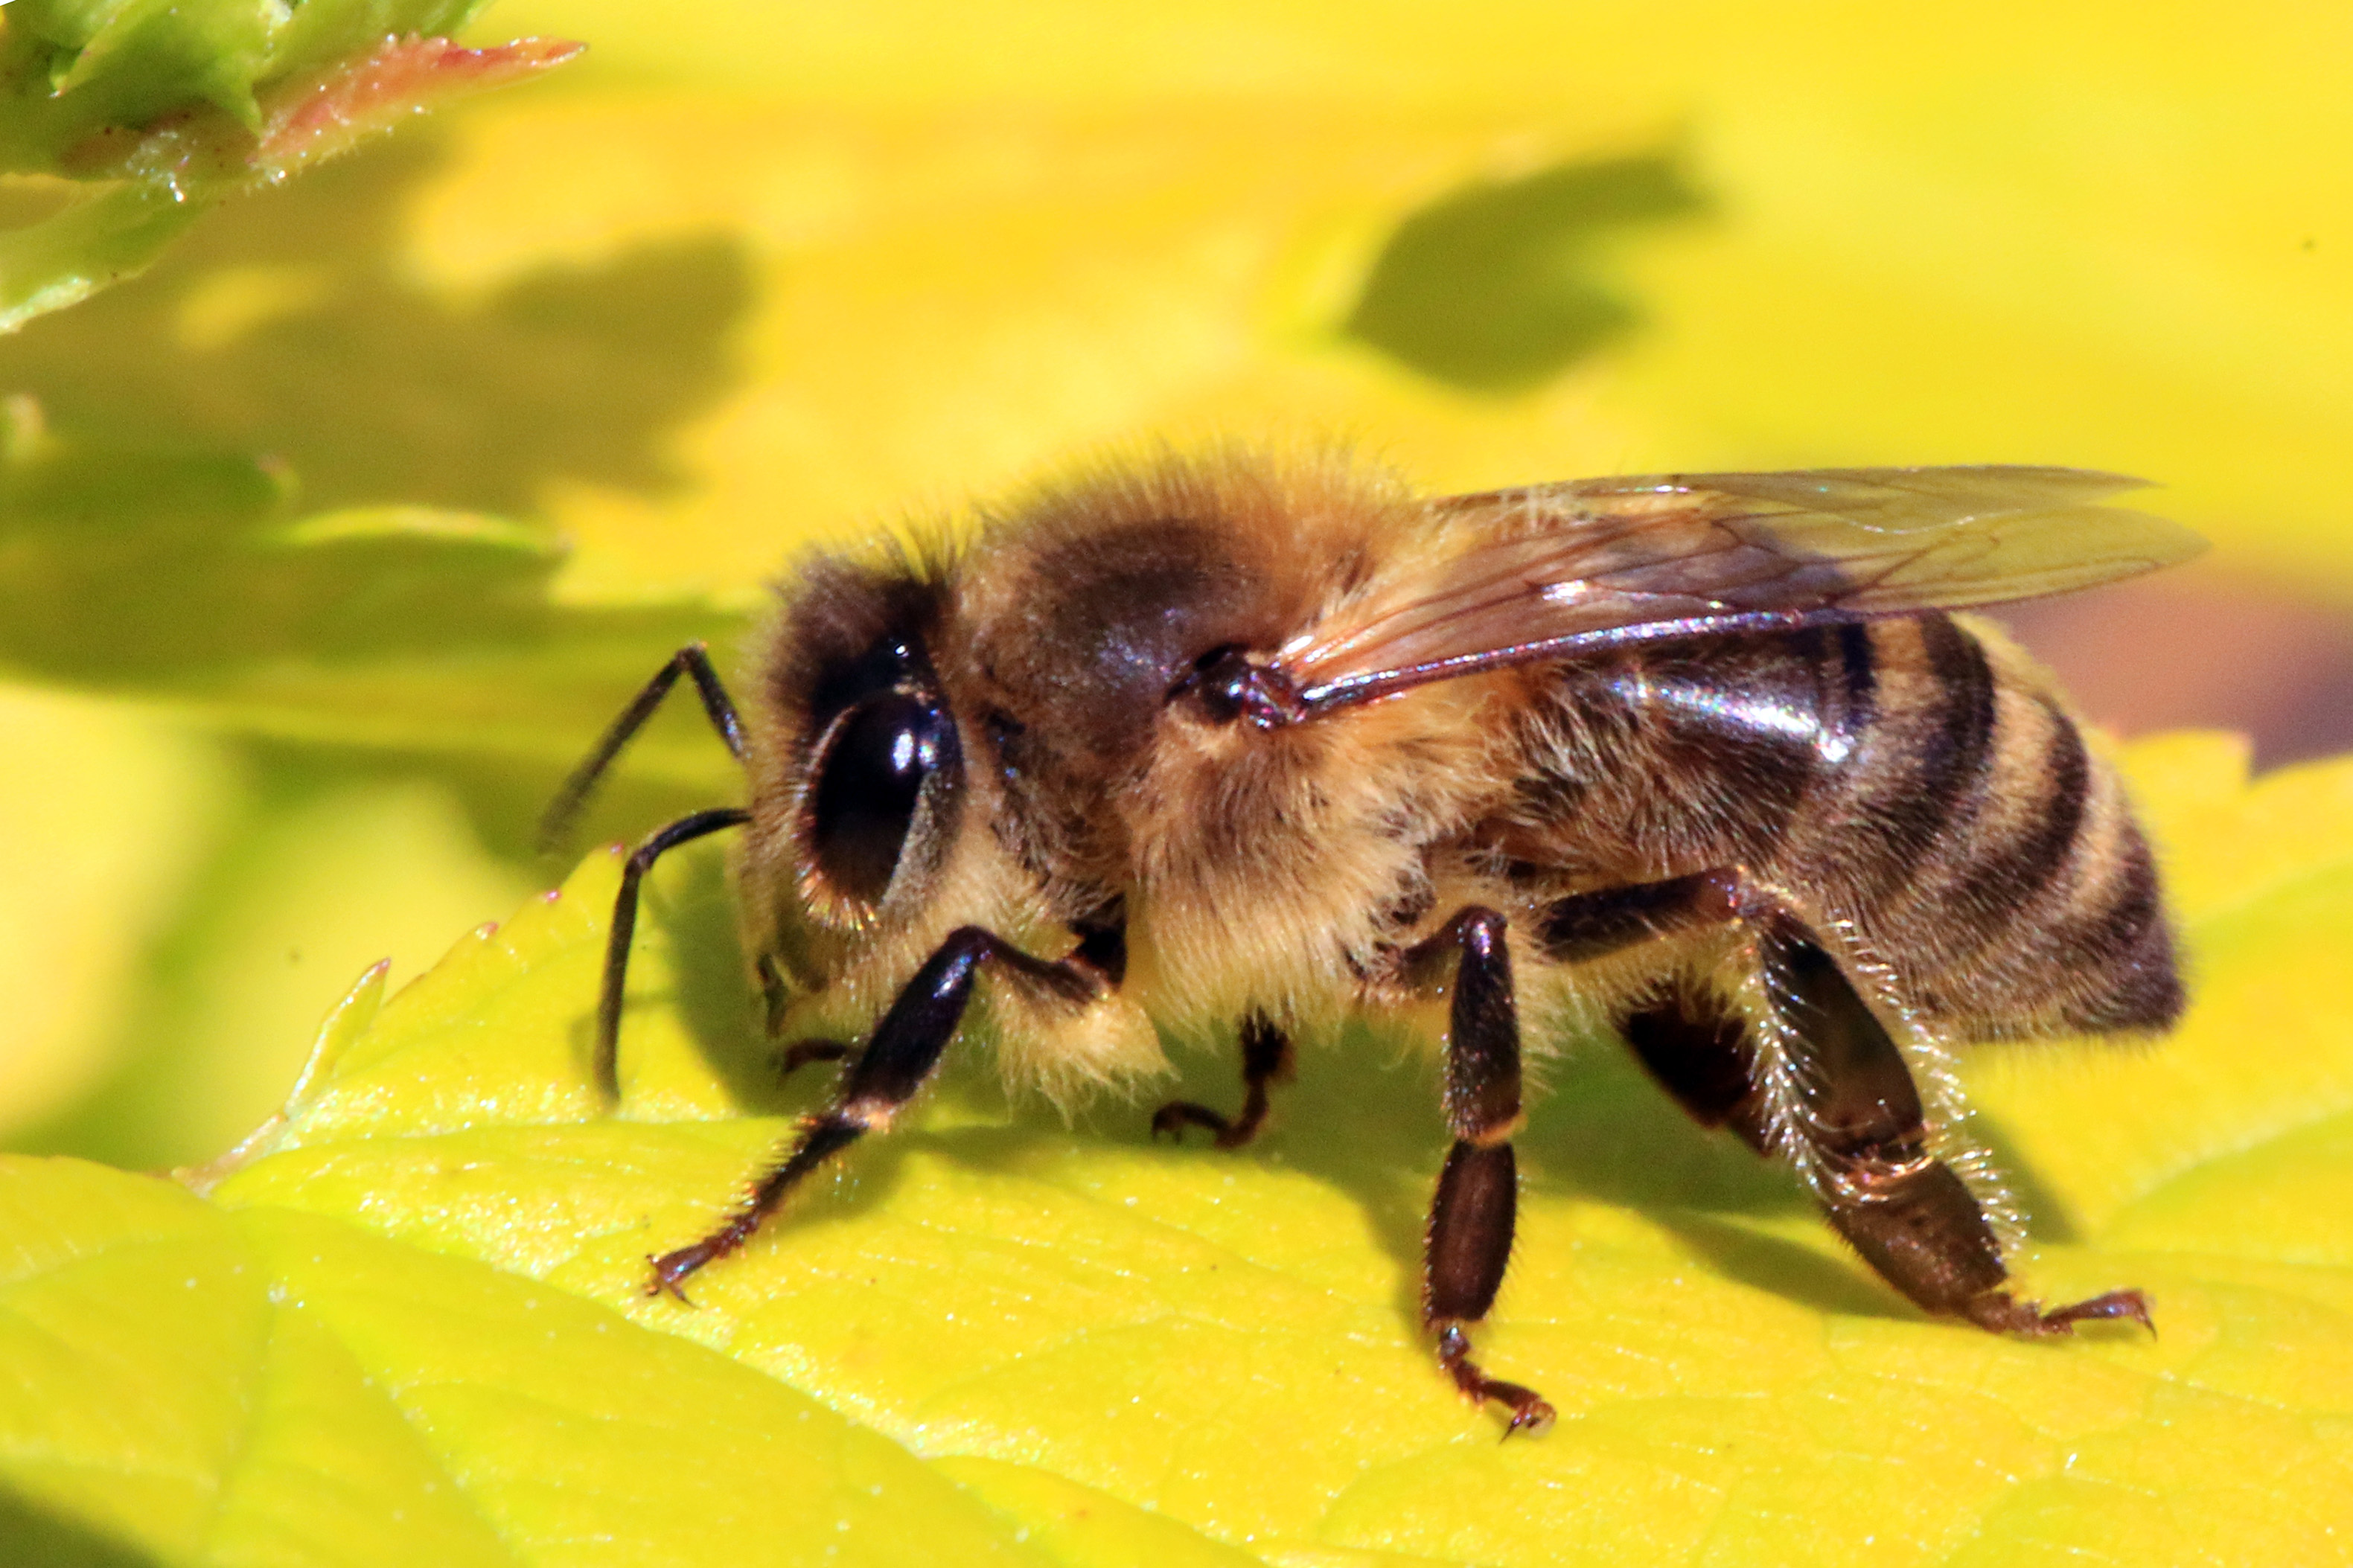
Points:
(419, 1295)
(179, 576)
(74, 69)
(173, 104)
(126, 62)
(307, 1392)
(96, 242)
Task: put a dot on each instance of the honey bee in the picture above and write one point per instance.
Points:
(1228, 742)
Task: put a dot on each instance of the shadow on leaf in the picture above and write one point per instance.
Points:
(1785, 1269)
(1495, 286)
(693, 906)
(296, 330)
(142, 547)
(1370, 1124)
(37, 1539)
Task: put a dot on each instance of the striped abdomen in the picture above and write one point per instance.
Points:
(1917, 777)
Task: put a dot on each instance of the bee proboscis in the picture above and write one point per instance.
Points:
(1226, 742)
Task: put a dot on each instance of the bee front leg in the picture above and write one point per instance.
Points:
(1469, 1240)
(905, 1047)
(777, 994)
(1266, 1058)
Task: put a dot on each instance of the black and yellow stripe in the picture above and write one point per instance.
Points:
(1912, 775)
(1994, 863)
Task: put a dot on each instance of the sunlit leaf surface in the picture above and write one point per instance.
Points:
(419, 1297)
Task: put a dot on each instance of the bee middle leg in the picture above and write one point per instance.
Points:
(1469, 1240)
(1266, 1058)
(1907, 1214)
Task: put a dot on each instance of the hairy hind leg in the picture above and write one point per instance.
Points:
(1907, 1214)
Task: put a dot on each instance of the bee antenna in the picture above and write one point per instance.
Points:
(563, 813)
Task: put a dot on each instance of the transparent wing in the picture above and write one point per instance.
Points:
(1541, 573)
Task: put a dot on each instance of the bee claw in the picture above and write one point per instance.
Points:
(669, 1269)
(2114, 1304)
(1530, 1412)
(1535, 1418)
(1172, 1118)
(2004, 1314)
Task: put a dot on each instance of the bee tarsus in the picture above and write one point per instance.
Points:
(2001, 1312)
(672, 1268)
(1530, 1413)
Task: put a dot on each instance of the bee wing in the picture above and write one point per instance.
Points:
(1536, 574)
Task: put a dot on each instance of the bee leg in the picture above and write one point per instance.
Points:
(1469, 1235)
(800, 1053)
(693, 659)
(1908, 1214)
(1266, 1058)
(776, 993)
(897, 1060)
(1698, 1051)
(685, 830)
(1587, 926)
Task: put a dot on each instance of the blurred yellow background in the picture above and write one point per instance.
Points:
(759, 274)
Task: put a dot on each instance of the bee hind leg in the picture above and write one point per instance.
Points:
(1908, 1214)
(1469, 1240)
(1266, 1060)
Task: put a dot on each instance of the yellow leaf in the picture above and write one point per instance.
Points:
(1068, 1342)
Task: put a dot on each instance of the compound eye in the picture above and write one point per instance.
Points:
(869, 780)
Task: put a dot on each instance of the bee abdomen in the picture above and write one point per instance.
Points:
(1915, 772)
(2008, 886)
(1914, 775)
